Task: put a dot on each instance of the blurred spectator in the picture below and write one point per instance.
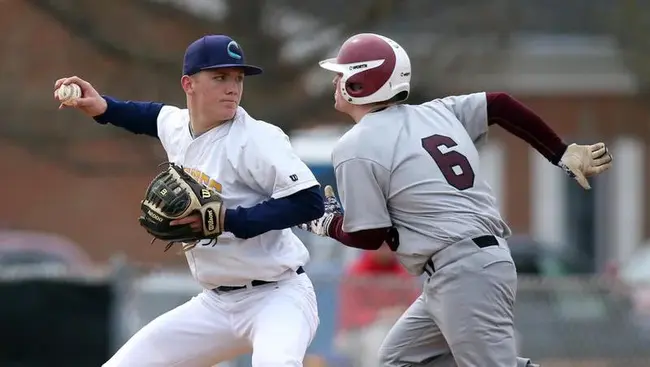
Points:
(375, 291)
(35, 248)
(312, 360)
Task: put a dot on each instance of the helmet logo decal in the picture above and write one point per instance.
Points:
(233, 50)
(360, 66)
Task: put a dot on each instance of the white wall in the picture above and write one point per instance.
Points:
(547, 201)
(626, 198)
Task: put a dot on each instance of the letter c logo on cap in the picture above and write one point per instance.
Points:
(233, 50)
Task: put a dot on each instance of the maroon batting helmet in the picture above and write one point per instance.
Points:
(373, 69)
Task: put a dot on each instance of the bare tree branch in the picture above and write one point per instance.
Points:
(142, 43)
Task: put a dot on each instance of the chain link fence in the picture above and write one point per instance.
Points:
(561, 321)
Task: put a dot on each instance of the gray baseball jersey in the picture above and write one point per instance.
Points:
(417, 168)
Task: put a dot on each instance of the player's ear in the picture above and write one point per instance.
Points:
(187, 83)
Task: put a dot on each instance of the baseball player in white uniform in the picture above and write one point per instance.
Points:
(256, 295)
(411, 175)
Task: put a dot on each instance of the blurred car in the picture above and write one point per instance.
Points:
(33, 248)
(635, 274)
(565, 315)
(533, 257)
(574, 319)
(637, 269)
(158, 292)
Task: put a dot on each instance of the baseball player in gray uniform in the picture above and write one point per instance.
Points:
(410, 175)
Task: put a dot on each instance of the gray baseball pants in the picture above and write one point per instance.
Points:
(465, 314)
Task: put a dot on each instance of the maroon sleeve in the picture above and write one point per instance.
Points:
(368, 239)
(519, 120)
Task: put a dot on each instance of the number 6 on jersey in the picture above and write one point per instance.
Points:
(462, 180)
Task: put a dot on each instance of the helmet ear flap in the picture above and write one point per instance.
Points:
(355, 84)
(349, 88)
(354, 87)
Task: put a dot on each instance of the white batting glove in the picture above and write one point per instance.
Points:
(582, 161)
(321, 225)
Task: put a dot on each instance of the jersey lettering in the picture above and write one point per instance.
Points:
(453, 165)
(204, 179)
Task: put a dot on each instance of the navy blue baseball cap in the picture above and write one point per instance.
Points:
(214, 52)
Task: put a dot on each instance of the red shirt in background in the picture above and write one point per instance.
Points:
(370, 285)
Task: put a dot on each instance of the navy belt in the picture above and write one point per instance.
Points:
(254, 283)
(481, 242)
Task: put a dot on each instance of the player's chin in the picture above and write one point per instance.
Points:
(228, 111)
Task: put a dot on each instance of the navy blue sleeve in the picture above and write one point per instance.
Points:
(275, 214)
(136, 117)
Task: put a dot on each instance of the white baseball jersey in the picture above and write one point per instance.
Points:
(417, 168)
(247, 161)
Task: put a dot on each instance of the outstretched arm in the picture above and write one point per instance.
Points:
(477, 111)
(366, 239)
(133, 116)
(578, 161)
(330, 224)
(136, 117)
(366, 224)
(272, 214)
(519, 120)
(275, 214)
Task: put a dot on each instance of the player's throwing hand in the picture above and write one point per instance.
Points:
(91, 102)
(333, 208)
(582, 161)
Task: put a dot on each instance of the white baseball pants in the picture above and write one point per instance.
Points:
(277, 322)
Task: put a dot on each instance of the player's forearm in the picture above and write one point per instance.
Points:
(369, 239)
(136, 117)
(519, 120)
(275, 214)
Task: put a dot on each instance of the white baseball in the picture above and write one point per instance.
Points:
(68, 93)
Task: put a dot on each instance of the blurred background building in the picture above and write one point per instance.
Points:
(70, 183)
